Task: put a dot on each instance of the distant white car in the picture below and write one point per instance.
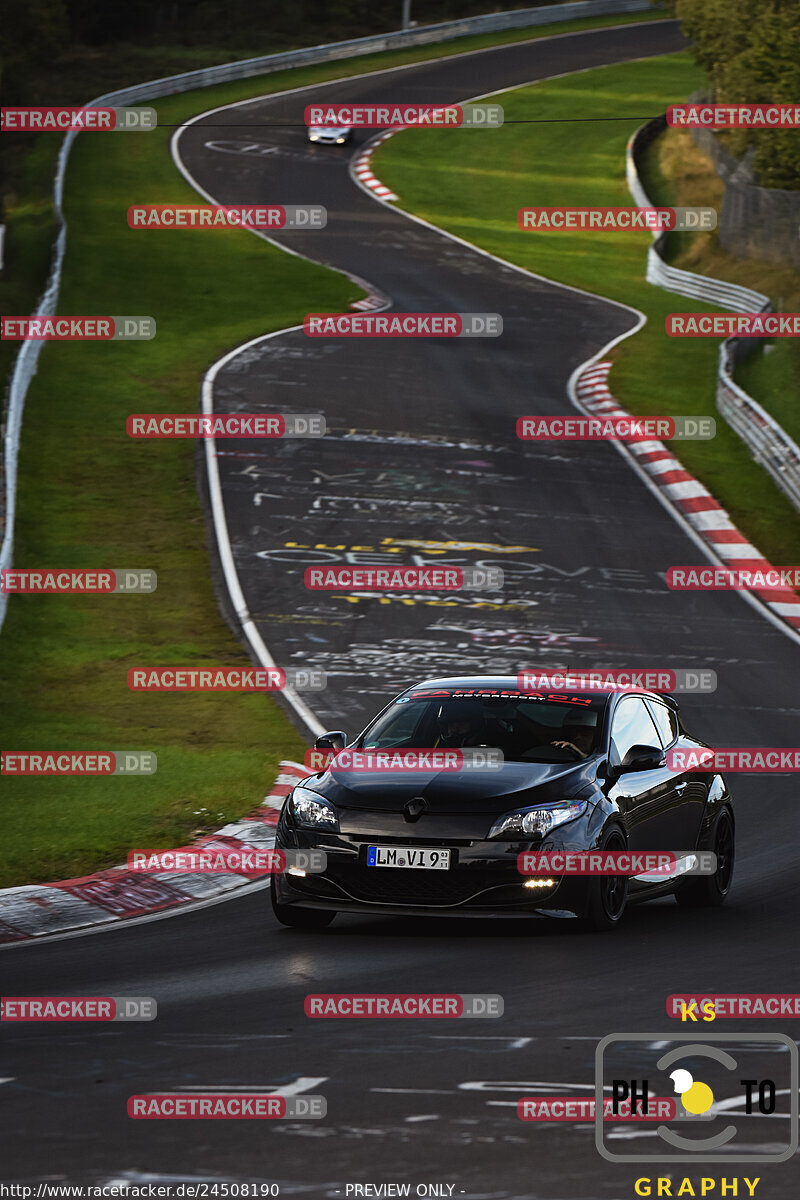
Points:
(332, 134)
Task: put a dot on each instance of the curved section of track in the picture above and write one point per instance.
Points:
(421, 462)
(421, 449)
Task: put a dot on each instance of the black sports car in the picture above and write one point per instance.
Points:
(580, 771)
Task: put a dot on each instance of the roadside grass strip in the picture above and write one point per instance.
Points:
(89, 496)
(120, 893)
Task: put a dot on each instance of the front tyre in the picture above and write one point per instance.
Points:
(608, 894)
(710, 891)
(298, 918)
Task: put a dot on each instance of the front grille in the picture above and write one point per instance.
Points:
(385, 885)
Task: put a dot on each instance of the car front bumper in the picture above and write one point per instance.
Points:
(483, 882)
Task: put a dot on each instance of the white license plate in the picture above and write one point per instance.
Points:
(420, 858)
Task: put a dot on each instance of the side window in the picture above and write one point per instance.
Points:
(666, 722)
(632, 726)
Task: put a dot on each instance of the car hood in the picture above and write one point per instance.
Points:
(513, 785)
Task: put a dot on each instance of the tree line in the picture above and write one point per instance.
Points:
(750, 50)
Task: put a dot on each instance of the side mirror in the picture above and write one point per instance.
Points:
(642, 758)
(336, 739)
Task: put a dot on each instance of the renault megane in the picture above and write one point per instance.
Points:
(577, 771)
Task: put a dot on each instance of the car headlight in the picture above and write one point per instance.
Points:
(340, 140)
(312, 811)
(536, 822)
(313, 137)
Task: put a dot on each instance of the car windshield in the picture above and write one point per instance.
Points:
(526, 727)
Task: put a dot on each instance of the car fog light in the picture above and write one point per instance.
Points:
(296, 871)
(539, 883)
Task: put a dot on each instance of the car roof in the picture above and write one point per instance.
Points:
(509, 682)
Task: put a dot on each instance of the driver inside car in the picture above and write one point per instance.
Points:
(460, 724)
(578, 729)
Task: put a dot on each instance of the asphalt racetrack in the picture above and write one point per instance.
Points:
(421, 448)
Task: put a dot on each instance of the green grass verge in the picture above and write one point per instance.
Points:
(90, 497)
(548, 162)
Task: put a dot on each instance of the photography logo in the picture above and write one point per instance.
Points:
(723, 1096)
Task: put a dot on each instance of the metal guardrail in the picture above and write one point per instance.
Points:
(770, 444)
(27, 360)
(768, 441)
(659, 273)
